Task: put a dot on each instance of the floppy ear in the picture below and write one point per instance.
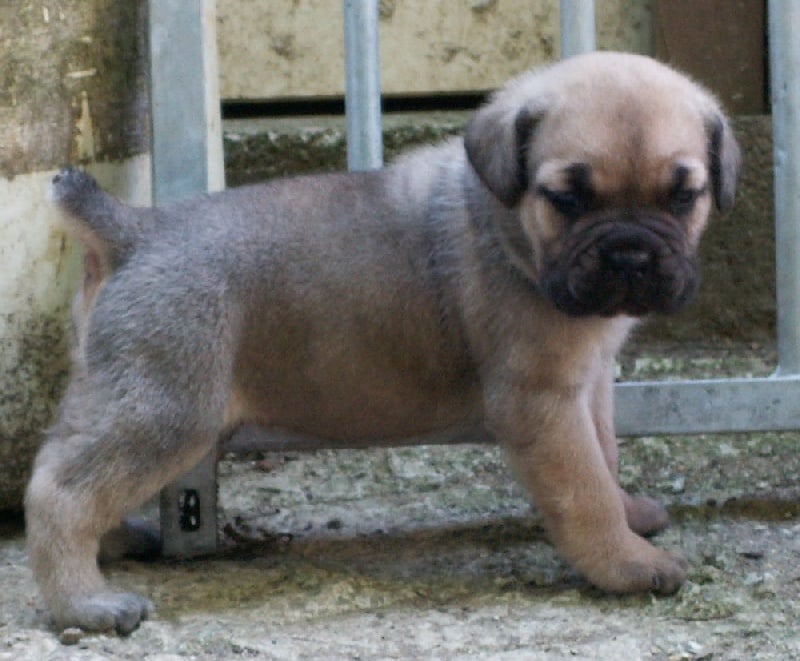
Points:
(724, 161)
(496, 140)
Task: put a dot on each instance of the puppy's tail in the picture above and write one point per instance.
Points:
(107, 228)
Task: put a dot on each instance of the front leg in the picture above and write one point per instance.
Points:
(645, 516)
(552, 441)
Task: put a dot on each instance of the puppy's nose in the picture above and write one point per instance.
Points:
(629, 260)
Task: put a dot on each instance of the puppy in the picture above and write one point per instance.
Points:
(489, 281)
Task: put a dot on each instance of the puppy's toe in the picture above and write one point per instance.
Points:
(663, 573)
(130, 611)
(645, 516)
(670, 573)
(638, 566)
(118, 611)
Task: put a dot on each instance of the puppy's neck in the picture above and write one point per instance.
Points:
(502, 236)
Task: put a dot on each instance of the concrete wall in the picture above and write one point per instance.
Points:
(72, 89)
(294, 48)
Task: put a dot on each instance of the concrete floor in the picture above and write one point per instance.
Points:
(434, 553)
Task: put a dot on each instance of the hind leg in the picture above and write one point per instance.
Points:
(105, 457)
(151, 376)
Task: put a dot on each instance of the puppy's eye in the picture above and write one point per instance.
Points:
(682, 200)
(567, 203)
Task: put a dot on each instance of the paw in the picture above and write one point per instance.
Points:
(640, 567)
(645, 516)
(664, 575)
(106, 611)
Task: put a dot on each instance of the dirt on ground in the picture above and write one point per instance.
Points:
(433, 552)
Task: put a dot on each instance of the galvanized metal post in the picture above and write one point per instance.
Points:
(215, 157)
(177, 99)
(577, 27)
(784, 41)
(187, 160)
(363, 91)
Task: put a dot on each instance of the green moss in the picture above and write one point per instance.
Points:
(34, 375)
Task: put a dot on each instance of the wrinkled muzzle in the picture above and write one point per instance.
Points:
(611, 266)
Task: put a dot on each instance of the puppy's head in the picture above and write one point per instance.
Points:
(611, 162)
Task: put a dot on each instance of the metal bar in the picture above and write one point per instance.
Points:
(784, 41)
(177, 99)
(363, 90)
(577, 26)
(707, 406)
(215, 157)
(187, 160)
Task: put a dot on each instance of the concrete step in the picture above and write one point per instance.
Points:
(259, 149)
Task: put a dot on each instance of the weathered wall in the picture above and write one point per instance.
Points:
(71, 83)
(294, 48)
(72, 89)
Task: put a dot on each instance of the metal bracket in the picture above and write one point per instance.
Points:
(189, 511)
(707, 406)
